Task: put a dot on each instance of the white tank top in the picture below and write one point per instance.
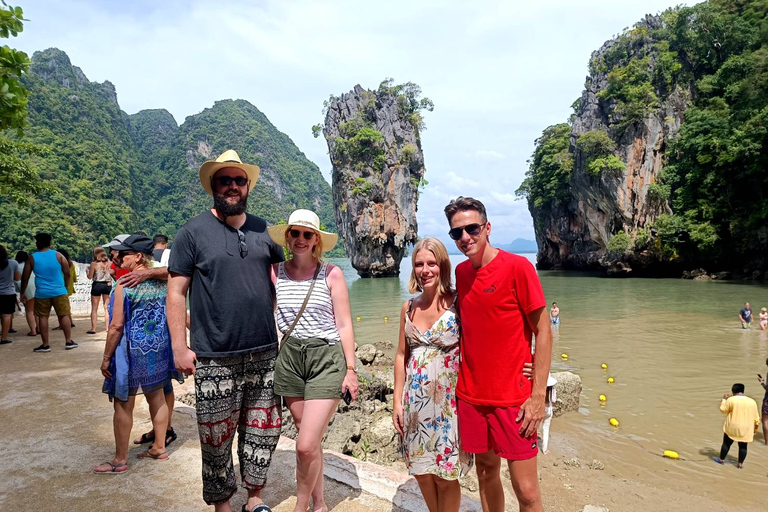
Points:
(318, 320)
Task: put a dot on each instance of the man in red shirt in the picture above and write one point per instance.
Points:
(501, 305)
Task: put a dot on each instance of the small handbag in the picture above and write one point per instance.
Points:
(303, 306)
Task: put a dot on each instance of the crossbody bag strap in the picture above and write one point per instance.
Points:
(303, 306)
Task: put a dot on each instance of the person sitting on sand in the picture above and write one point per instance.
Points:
(745, 315)
(740, 424)
(137, 355)
(764, 319)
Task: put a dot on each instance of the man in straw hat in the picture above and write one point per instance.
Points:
(224, 257)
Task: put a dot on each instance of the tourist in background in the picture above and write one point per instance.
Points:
(764, 319)
(161, 252)
(130, 280)
(502, 306)
(72, 279)
(554, 314)
(316, 363)
(137, 355)
(114, 270)
(51, 271)
(426, 373)
(765, 405)
(101, 285)
(740, 424)
(29, 303)
(232, 331)
(745, 315)
(9, 273)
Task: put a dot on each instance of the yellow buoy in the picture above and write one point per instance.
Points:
(386, 319)
(358, 319)
(604, 366)
(670, 454)
(602, 398)
(564, 355)
(614, 422)
(610, 380)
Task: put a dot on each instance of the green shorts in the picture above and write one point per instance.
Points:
(310, 369)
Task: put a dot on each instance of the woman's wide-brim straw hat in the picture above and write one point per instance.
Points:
(304, 219)
(229, 158)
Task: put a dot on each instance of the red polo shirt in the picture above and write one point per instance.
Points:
(495, 332)
(119, 272)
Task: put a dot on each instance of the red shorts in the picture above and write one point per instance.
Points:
(484, 428)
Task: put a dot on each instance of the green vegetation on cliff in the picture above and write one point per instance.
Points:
(107, 172)
(715, 178)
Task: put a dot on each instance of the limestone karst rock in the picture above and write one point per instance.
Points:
(575, 233)
(378, 167)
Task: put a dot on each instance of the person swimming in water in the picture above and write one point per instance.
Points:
(764, 319)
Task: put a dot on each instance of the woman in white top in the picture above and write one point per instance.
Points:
(316, 364)
(29, 305)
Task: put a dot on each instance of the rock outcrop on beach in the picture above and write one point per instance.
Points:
(378, 168)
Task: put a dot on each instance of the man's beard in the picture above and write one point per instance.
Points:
(227, 209)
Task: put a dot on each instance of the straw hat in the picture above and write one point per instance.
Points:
(229, 158)
(305, 219)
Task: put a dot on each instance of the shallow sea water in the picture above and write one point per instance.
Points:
(673, 346)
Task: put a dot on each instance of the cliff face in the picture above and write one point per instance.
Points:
(575, 233)
(378, 166)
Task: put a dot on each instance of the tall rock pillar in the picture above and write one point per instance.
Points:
(378, 167)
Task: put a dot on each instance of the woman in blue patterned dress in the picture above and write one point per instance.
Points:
(426, 371)
(137, 355)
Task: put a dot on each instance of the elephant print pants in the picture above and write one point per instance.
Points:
(236, 394)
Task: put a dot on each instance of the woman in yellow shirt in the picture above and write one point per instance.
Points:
(740, 423)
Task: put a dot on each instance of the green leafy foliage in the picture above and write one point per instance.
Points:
(550, 168)
(598, 149)
(108, 173)
(715, 178)
(619, 243)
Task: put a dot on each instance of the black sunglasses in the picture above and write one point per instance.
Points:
(226, 181)
(123, 254)
(471, 229)
(241, 243)
(295, 233)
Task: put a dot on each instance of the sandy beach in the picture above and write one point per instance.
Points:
(57, 425)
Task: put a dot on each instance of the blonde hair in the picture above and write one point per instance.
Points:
(317, 250)
(99, 254)
(436, 247)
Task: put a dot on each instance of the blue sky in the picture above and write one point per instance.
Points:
(499, 72)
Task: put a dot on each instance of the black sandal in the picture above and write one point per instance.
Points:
(149, 437)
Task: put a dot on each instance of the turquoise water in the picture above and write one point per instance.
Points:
(673, 346)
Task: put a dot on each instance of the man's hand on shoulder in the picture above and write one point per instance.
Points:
(134, 278)
(530, 416)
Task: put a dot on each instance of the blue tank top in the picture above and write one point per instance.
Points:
(49, 279)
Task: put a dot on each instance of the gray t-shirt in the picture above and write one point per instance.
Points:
(7, 285)
(231, 296)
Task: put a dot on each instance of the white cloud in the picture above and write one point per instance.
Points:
(499, 72)
(484, 153)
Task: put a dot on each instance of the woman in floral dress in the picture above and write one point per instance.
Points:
(426, 371)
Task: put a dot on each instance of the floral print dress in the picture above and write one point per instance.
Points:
(431, 441)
